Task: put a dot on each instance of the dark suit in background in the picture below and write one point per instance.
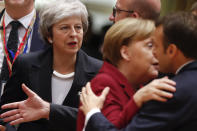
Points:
(177, 114)
(35, 70)
(36, 42)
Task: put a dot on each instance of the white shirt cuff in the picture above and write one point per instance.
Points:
(88, 116)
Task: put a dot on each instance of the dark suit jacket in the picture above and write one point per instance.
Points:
(119, 106)
(177, 114)
(35, 70)
(36, 44)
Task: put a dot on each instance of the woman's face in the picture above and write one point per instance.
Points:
(143, 64)
(67, 35)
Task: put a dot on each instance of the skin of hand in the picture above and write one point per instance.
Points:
(90, 101)
(2, 128)
(33, 108)
(158, 89)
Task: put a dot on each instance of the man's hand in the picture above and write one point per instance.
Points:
(33, 108)
(90, 101)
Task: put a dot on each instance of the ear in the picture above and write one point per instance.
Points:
(124, 53)
(50, 40)
(135, 15)
(172, 50)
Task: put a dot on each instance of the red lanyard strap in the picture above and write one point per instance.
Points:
(21, 45)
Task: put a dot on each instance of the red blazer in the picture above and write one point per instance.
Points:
(119, 107)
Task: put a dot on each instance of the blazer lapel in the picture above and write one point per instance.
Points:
(40, 75)
(82, 76)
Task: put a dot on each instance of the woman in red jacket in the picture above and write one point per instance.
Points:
(128, 64)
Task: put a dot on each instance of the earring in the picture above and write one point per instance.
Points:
(50, 41)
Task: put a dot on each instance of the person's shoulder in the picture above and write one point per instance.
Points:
(89, 61)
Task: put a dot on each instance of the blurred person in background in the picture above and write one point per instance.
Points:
(194, 9)
(146, 9)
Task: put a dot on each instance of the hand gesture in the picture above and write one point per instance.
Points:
(33, 108)
(90, 101)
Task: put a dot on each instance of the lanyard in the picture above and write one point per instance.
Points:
(22, 46)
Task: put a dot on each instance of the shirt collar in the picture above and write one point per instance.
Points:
(178, 70)
(24, 20)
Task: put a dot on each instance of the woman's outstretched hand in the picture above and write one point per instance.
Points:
(33, 108)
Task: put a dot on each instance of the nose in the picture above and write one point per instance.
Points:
(73, 32)
(111, 17)
(154, 52)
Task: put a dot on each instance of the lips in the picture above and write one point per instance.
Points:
(156, 65)
(73, 43)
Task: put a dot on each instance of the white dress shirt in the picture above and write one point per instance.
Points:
(25, 21)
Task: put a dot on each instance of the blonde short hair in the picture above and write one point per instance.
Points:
(122, 33)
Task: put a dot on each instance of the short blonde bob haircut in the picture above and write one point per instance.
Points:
(122, 33)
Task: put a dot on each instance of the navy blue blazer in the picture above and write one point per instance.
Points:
(177, 114)
(35, 70)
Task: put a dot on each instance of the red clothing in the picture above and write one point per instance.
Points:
(119, 106)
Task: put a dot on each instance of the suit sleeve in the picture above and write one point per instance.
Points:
(61, 117)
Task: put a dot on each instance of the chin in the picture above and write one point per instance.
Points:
(154, 74)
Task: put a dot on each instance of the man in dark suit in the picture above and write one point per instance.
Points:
(24, 13)
(175, 47)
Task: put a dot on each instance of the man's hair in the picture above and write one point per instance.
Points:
(147, 9)
(180, 28)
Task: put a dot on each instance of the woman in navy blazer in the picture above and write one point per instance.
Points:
(128, 64)
(62, 26)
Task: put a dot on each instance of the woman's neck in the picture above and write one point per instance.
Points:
(64, 64)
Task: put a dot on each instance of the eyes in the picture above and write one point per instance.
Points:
(150, 45)
(67, 28)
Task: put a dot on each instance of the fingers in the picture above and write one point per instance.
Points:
(159, 98)
(167, 81)
(27, 91)
(163, 94)
(12, 118)
(17, 121)
(10, 113)
(10, 105)
(104, 93)
(88, 89)
(83, 96)
(166, 87)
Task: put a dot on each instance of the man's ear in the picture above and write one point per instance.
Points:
(134, 15)
(172, 50)
(124, 53)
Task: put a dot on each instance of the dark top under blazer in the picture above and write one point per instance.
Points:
(177, 114)
(35, 70)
